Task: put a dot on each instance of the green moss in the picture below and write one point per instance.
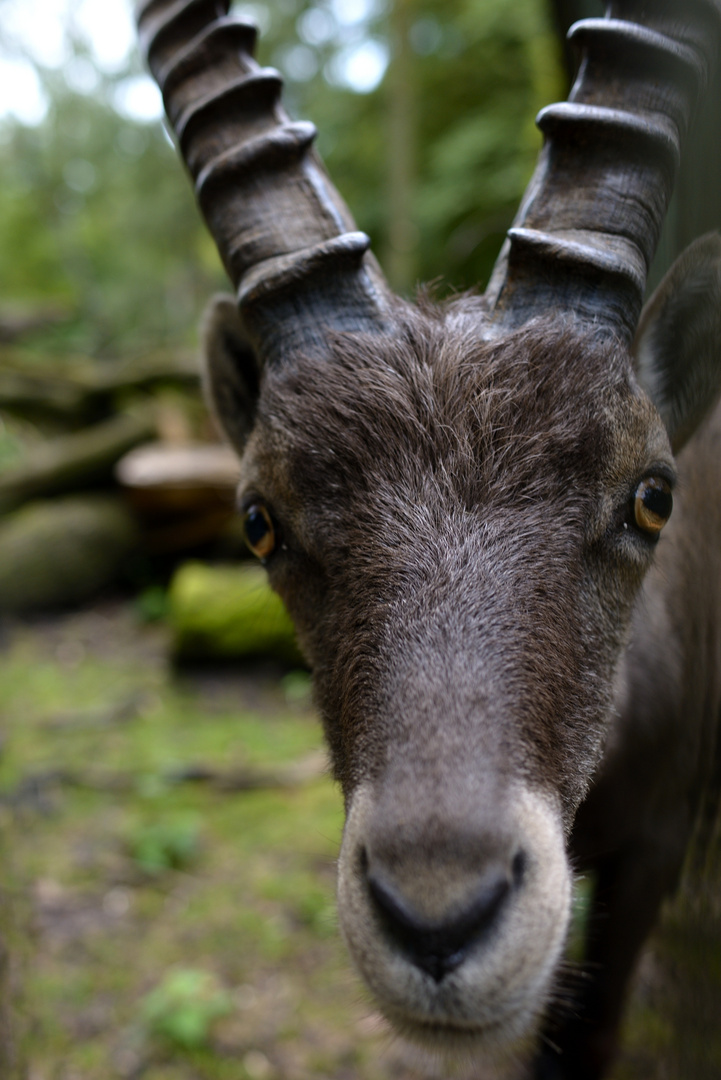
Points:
(229, 612)
(183, 1007)
(62, 551)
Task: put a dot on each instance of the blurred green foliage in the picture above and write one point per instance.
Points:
(479, 71)
(97, 217)
(184, 1006)
(171, 843)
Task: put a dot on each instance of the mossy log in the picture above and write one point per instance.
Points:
(73, 462)
(230, 611)
(141, 373)
(29, 394)
(62, 552)
(90, 393)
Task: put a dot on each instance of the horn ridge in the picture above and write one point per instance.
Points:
(589, 224)
(164, 25)
(203, 128)
(289, 140)
(294, 320)
(576, 132)
(569, 270)
(192, 72)
(264, 193)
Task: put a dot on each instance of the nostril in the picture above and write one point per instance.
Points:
(518, 868)
(439, 947)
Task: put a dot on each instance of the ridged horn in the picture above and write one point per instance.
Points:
(286, 238)
(590, 220)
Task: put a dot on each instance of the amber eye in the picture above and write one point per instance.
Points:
(259, 530)
(652, 506)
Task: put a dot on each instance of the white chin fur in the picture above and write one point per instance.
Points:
(492, 1001)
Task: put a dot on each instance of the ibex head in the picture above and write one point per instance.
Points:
(457, 504)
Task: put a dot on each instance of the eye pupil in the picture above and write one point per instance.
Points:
(652, 505)
(259, 531)
(657, 502)
(256, 526)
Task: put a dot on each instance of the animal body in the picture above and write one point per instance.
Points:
(516, 647)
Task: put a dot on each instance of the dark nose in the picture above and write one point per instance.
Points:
(438, 947)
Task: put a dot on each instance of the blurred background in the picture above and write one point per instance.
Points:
(168, 830)
(426, 119)
(425, 112)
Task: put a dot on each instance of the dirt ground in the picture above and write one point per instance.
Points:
(168, 847)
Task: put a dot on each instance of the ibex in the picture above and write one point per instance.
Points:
(465, 507)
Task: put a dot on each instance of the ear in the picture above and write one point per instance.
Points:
(678, 341)
(231, 372)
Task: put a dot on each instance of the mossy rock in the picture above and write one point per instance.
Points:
(229, 611)
(62, 552)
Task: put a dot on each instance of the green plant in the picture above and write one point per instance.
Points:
(182, 1009)
(152, 603)
(170, 844)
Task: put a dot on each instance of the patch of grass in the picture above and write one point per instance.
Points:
(166, 844)
(128, 878)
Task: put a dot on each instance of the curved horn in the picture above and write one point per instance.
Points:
(589, 224)
(286, 238)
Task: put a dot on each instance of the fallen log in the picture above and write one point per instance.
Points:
(32, 396)
(229, 612)
(141, 373)
(19, 322)
(63, 551)
(183, 495)
(89, 393)
(73, 462)
(32, 789)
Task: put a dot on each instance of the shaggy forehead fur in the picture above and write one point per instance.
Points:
(435, 414)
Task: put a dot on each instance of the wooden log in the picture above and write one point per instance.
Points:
(19, 322)
(61, 552)
(228, 612)
(90, 392)
(184, 495)
(73, 462)
(30, 395)
(141, 373)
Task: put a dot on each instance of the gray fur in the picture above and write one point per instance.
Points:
(460, 559)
